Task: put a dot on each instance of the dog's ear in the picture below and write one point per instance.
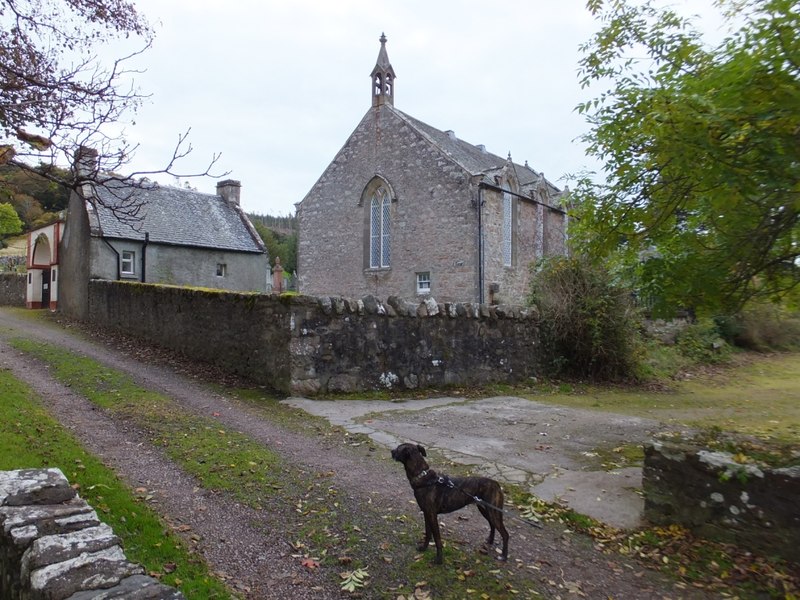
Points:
(421, 450)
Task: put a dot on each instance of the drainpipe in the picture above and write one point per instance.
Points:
(114, 250)
(144, 255)
(480, 244)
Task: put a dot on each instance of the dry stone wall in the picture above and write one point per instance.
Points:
(308, 345)
(53, 546)
(721, 499)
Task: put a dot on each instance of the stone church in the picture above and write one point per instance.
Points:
(408, 210)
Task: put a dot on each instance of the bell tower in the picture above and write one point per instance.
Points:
(383, 78)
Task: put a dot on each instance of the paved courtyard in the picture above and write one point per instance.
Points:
(552, 451)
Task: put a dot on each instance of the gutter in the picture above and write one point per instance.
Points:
(497, 188)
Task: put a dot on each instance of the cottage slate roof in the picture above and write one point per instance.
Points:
(173, 216)
(471, 158)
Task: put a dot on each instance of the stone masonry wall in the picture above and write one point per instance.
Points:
(12, 289)
(307, 345)
(245, 334)
(341, 345)
(718, 498)
(53, 546)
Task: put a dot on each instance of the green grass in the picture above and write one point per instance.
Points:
(31, 438)
(221, 458)
(761, 398)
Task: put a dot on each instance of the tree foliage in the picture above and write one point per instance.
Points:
(280, 237)
(58, 94)
(10, 223)
(700, 147)
(37, 199)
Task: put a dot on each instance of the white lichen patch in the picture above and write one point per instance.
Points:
(388, 379)
(732, 469)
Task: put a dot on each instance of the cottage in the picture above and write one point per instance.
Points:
(408, 210)
(158, 234)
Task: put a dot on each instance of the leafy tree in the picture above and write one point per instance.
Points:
(278, 243)
(10, 223)
(58, 95)
(701, 151)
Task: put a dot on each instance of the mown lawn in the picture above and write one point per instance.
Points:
(759, 397)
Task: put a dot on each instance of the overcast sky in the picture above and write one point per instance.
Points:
(276, 87)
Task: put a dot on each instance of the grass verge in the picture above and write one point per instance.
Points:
(31, 438)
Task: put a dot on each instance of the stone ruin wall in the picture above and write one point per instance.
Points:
(54, 547)
(718, 498)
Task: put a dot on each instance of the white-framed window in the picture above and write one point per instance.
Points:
(128, 262)
(222, 269)
(424, 282)
(508, 220)
(380, 222)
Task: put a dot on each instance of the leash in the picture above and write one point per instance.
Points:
(444, 480)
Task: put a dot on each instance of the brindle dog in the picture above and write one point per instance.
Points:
(437, 494)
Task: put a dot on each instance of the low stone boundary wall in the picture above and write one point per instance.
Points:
(721, 499)
(53, 546)
(307, 345)
(13, 287)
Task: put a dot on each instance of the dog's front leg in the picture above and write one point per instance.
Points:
(437, 538)
(423, 545)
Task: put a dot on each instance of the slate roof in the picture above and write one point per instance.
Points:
(173, 216)
(470, 157)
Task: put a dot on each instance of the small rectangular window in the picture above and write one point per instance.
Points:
(222, 269)
(127, 263)
(424, 283)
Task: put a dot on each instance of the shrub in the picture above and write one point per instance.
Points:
(762, 327)
(701, 343)
(588, 324)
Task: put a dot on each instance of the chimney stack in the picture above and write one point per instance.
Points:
(86, 162)
(230, 190)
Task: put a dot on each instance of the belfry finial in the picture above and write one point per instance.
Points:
(382, 77)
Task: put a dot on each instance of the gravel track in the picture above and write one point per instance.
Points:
(251, 548)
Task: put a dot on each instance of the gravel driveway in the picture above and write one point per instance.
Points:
(251, 548)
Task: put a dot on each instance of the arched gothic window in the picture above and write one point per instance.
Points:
(380, 224)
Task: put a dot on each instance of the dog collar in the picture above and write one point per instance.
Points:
(419, 478)
(422, 475)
